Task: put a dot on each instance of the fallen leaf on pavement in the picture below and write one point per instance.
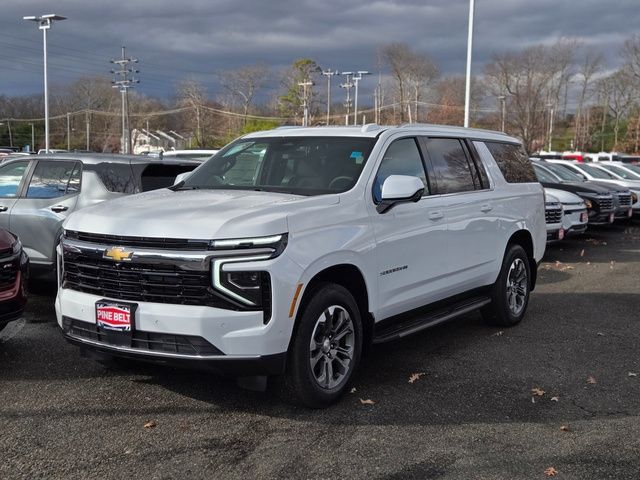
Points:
(591, 381)
(150, 424)
(497, 334)
(555, 399)
(632, 374)
(611, 266)
(550, 472)
(582, 253)
(367, 402)
(353, 390)
(600, 334)
(564, 428)
(415, 376)
(537, 391)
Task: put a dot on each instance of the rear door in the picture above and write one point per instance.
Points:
(49, 197)
(473, 231)
(12, 176)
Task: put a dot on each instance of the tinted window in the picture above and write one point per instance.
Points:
(401, 158)
(10, 178)
(117, 177)
(544, 175)
(54, 179)
(512, 161)
(450, 165)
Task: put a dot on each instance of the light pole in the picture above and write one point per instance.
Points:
(503, 100)
(44, 24)
(348, 86)
(329, 73)
(467, 88)
(68, 131)
(550, 125)
(33, 139)
(356, 79)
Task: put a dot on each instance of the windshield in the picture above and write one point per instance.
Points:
(597, 173)
(622, 172)
(296, 165)
(544, 175)
(564, 173)
(635, 168)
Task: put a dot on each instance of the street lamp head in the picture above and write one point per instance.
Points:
(45, 21)
(363, 72)
(346, 73)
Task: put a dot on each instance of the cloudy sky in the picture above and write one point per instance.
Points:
(197, 38)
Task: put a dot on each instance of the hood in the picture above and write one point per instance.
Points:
(193, 214)
(549, 198)
(617, 187)
(578, 187)
(563, 196)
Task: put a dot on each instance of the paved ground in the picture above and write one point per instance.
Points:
(471, 415)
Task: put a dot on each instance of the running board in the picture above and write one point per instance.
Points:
(411, 325)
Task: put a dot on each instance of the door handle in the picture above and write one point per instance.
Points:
(3, 208)
(59, 208)
(437, 215)
(486, 208)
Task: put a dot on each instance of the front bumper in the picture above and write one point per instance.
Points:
(237, 365)
(573, 222)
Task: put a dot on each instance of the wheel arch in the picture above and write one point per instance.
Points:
(352, 279)
(525, 240)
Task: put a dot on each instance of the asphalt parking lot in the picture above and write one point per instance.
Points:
(560, 391)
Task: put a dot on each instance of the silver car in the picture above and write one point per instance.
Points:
(37, 193)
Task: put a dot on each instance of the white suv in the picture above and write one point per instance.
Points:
(291, 250)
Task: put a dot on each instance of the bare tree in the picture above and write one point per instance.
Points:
(243, 84)
(192, 94)
(589, 67)
(619, 92)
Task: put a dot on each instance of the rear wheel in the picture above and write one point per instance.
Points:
(326, 348)
(510, 293)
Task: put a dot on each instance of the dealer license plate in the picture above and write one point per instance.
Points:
(116, 316)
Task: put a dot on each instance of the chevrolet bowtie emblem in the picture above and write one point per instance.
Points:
(117, 254)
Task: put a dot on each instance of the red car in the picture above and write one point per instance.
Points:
(14, 271)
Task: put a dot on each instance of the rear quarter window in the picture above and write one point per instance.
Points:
(512, 161)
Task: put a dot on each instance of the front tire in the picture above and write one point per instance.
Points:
(326, 348)
(510, 293)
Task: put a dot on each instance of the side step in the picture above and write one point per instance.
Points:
(409, 325)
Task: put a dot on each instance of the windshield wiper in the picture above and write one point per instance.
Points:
(180, 186)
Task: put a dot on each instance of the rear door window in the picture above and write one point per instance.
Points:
(117, 177)
(54, 179)
(158, 175)
(451, 167)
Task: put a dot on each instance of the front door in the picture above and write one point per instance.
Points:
(411, 247)
(51, 195)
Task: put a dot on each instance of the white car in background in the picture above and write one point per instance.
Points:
(575, 218)
(553, 217)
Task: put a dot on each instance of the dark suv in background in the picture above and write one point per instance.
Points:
(37, 193)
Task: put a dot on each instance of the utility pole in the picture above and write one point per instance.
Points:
(503, 100)
(68, 132)
(348, 85)
(356, 80)
(10, 135)
(329, 73)
(305, 106)
(123, 81)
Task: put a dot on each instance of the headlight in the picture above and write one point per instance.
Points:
(17, 247)
(250, 288)
(634, 197)
(588, 203)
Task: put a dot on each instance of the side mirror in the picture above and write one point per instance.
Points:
(399, 189)
(181, 177)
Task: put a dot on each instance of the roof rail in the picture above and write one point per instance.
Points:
(370, 127)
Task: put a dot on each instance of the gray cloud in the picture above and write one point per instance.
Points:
(198, 38)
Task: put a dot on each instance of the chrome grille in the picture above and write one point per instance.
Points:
(553, 215)
(624, 199)
(606, 203)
